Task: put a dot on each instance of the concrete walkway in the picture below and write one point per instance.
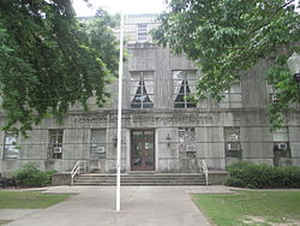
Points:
(140, 206)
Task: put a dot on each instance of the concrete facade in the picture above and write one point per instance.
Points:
(182, 133)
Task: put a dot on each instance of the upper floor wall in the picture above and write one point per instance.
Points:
(154, 78)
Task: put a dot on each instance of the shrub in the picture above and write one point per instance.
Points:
(245, 174)
(235, 182)
(30, 176)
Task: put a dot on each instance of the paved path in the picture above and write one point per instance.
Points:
(140, 206)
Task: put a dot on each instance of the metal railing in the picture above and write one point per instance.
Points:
(81, 166)
(204, 170)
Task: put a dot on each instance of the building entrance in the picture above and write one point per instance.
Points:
(142, 150)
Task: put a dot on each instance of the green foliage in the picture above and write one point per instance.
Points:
(245, 174)
(31, 176)
(235, 182)
(227, 38)
(49, 61)
(285, 89)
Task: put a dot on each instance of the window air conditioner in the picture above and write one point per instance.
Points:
(100, 150)
(282, 146)
(274, 98)
(233, 146)
(57, 150)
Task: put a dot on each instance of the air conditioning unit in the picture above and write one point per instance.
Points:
(233, 146)
(100, 150)
(282, 146)
(57, 150)
(275, 98)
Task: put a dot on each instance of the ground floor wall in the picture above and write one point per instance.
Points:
(160, 141)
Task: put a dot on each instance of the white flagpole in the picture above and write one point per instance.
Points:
(119, 136)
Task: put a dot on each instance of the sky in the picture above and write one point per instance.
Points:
(115, 6)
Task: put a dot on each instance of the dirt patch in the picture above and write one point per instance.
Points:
(3, 222)
(254, 220)
(257, 220)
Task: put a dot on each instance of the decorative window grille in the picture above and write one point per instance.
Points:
(142, 32)
(141, 89)
(56, 143)
(11, 150)
(98, 144)
(232, 142)
(184, 86)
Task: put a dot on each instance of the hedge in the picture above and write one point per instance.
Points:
(250, 175)
(30, 176)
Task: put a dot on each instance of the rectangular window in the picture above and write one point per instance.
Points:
(186, 135)
(281, 146)
(233, 97)
(232, 142)
(142, 32)
(293, 5)
(11, 150)
(55, 143)
(98, 144)
(141, 89)
(186, 140)
(273, 98)
(184, 84)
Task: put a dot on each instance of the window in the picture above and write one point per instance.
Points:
(186, 135)
(232, 142)
(11, 150)
(273, 98)
(55, 143)
(186, 139)
(141, 89)
(293, 5)
(233, 97)
(184, 86)
(142, 32)
(281, 147)
(98, 144)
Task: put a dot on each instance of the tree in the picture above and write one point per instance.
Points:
(228, 37)
(49, 61)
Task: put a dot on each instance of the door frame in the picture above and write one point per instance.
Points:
(131, 149)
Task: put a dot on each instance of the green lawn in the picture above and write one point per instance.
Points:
(29, 200)
(251, 207)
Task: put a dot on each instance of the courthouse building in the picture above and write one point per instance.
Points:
(163, 130)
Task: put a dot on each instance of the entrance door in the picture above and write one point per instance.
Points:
(142, 150)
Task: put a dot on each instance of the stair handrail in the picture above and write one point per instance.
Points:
(205, 170)
(77, 168)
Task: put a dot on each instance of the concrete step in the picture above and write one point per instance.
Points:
(140, 184)
(142, 179)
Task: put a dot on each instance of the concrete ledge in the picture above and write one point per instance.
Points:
(217, 177)
(63, 178)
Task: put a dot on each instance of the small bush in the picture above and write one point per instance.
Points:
(245, 174)
(30, 176)
(235, 182)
